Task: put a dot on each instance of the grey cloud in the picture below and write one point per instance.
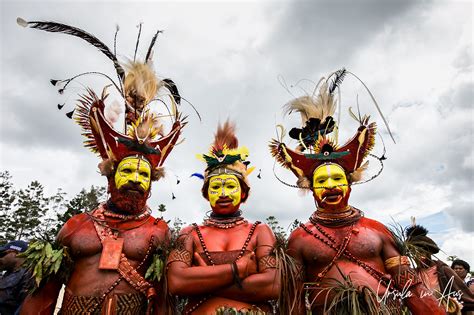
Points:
(461, 212)
(305, 37)
(29, 119)
(315, 34)
(459, 97)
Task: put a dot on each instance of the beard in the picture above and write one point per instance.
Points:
(129, 199)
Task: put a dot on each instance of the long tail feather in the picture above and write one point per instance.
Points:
(55, 27)
(376, 106)
(150, 48)
(138, 41)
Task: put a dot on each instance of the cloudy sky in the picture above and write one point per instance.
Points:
(229, 59)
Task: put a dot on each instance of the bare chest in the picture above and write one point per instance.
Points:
(322, 247)
(85, 242)
(217, 240)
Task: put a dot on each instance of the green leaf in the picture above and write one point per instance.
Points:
(48, 250)
(158, 268)
(149, 271)
(38, 245)
(38, 273)
(57, 264)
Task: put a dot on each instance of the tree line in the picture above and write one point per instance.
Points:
(29, 214)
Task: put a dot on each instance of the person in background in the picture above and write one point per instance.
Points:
(446, 284)
(15, 281)
(463, 269)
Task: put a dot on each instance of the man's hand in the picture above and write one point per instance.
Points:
(247, 265)
(199, 261)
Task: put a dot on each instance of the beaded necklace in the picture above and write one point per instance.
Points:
(242, 250)
(345, 218)
(125, 217)
(208, 255)
(120, 278)
(224, 223)
(341, 250)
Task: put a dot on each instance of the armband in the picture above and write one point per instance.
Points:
(179, 254)
(396, 262)
(406, 279)
(267, 262)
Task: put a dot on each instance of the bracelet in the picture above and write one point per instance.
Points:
(235, 274)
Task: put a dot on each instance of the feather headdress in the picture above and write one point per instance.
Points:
(316, 112)
(417, 237)
(144, 137)
(138, 85)
(316, 145)
(225, 155)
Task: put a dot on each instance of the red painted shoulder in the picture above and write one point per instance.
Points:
(375, 225)
(71, 226)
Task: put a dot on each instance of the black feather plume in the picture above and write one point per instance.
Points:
(337, 80)
(74, 31)
(170, 85)
(416, 230)
(138, 41)
(152, 44)
(60, 106)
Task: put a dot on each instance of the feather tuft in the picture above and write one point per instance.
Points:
(198, 175)
(140, 85)
(303, 182)
(21, 22)
(225, 137)
(337, 80)
(158, 173)
(106, 167)
(416, 230)
(356, 176)
(318, 107)
(112, 112)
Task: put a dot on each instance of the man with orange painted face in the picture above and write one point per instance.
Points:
(349, 264)
(226, 264)
(113, 250)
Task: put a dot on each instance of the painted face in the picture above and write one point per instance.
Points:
(224, 193)
(331, 190)
(133, 170)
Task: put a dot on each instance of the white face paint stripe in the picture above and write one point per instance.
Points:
(138, 171)
(328, 169)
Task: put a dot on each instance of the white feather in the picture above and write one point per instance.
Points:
(113, 111)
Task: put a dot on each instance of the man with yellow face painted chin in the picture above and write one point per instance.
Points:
(225, 264)
(114, 245)
(109, 258)
(349, 264)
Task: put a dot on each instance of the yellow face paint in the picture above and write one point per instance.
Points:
(133, 169)
(330, 184)
(225, 187)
